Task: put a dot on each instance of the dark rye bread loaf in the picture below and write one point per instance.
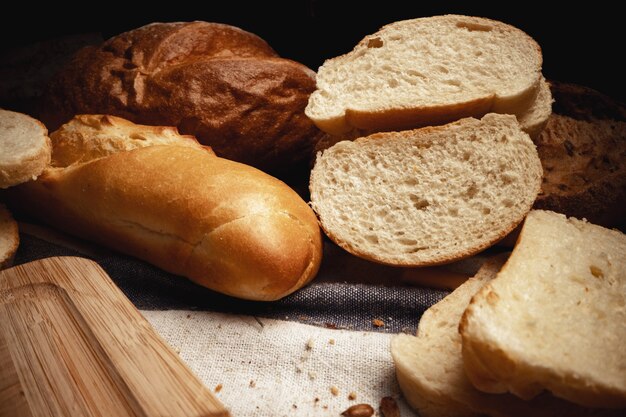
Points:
(217, 82)
(583, 153)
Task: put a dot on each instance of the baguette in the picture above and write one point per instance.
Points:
(427, 196)
(427, 71)
(224, 225)
(554, 317)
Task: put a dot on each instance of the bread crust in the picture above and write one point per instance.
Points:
(217, 82)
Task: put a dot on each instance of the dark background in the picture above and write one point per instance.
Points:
(581, 44)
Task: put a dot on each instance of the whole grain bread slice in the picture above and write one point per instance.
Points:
(24, 148)
(427, 196)
(9, 237)
(555, 317)
(427, 71)
(429, 366)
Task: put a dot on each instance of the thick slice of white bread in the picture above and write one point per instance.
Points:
(427, 196)
(9, 237)
(430, 371)
(427, 71)
(24, 148)
(555, 316)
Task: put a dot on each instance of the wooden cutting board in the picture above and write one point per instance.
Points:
(71, 344)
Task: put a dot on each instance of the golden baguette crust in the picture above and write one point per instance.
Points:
(224, 225)
(224, 85)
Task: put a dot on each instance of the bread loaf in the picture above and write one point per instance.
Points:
(427, 196)
(224, 225)
(428, 71)
(219, 83)
(24, 148)
(583, 153)
(554, 318)
(9, 237)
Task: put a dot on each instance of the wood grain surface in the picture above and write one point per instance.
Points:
(71, 344)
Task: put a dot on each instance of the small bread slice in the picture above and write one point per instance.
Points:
(427, 71)
(429, 367)
(427, 196)
(91, 136)
(9, 237)
(24, 148)
(555, 316)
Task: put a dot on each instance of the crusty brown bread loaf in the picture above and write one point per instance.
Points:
(219, 83)
(583, 153)
(225, 225)
(9, 237)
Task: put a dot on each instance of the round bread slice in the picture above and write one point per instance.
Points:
(427, 71)
(427, 196)
(24, 148)
(9, 237)
(554, 318)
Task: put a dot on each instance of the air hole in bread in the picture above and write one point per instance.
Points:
(454, 83)
(453, 211)
(375, 43)
(474, 27)
(507, 202)
(486, 210)
(411, 181)
(466, 155)
(472, 190)
(372, 239)
(442, 69)
(407, 242)
(596, 272)
(417, 249)
(392, 83)
(418, 202)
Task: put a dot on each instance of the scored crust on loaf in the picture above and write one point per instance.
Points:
(24, 148)
(225, 86)
(429, 366)
(427, 196)
(583, 153)
(91, 136)
(554, 318)
(427, 71)
(9, 237)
